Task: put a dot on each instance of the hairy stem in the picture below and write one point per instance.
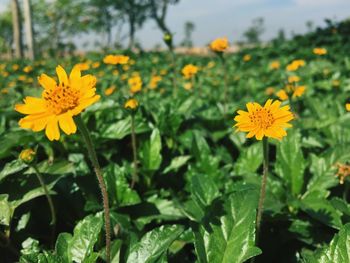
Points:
(93, 157)
(49, 200)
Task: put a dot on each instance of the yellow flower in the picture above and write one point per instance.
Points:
(83, 66)
(22, 78)
(27, 69)
(296, 64)
(189, 71)
(115, 72)
(275, 64)
(210, 64)
(219, 45)
(282, 94)
(268, 121)
(115, 59)
(347, 106)
(27, 155)
(163, 72)
(247, 57)
(4, 91)
(131, 104)
(15, 67)
(96, 64)
(109, 91)
(58, 103)
(299, 91)
(319, 51)
(126, 67)
(343, 172)
(154, 81)
(336, 83)
(135, 84)
(293, 79)
(269, 91)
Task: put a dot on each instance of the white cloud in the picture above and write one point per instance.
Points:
(318, 3)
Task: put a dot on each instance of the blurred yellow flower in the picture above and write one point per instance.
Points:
(210, 64)
(115, 72)
(335, 82)
(319, 51)
(268, 121)
(163, 72)
(27, 69)
(269, 91)
(247, 57)
(154, 81)
(83, 66)
(347, 106)
(189, 71)
(109, 91)
(282, 95)
(343, 172)
(219, 45)
(188, 86)
(131, 104)
(295, 65)
(275, 64)
(59, 103)
(115, 59)
(96, 64)
(15, 67)
(298, 91)
(135, 84)
(293, 79)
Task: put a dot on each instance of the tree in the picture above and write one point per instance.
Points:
(135, 13)
(254, 32)
(6, 35)
(189, 27)
(17, 32)
(158, 9)
(29, 29)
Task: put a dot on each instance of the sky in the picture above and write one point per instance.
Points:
(230, 18)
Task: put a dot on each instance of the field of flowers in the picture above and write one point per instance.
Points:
(161, 157)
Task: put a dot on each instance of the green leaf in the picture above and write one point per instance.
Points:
(337, 251)
(203, 189)
(177, 163)
(290, 163)
(62, 246)
(249, 159)
(85, 236)
(229, 237)
(13, 167)
(122, 128)
(151, 157)
(6, 210)
(154, 244)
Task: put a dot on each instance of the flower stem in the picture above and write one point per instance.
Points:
(263, 187)
(173, 61)
(224, 65)
(93, 157)
(49, 200)
(134, 151)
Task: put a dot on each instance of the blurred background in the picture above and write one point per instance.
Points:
(84, 25)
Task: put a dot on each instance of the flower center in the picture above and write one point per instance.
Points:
(262, 118)
(61, 99)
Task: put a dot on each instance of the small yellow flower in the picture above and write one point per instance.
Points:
(268, 121)
(126, 67)
(27, 69)
(347, 106)
(96, 64)
(299, 91)
(131, 104)
(163, 72)
(115, 59)
(189, 71)
(109, 91)
(293, 79)
(269, 91)
(275, 65)
(115, 72)
(210, 64)
(295, 65)
(335, 82)
(154, 81)
(15, 67)
(219, 45)
(247, 57)
(4, 91)
(319, 51)
(58, 103)
(282, 95)
(135, 84)
(343, 172)
(83, 66)
(27, 155)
